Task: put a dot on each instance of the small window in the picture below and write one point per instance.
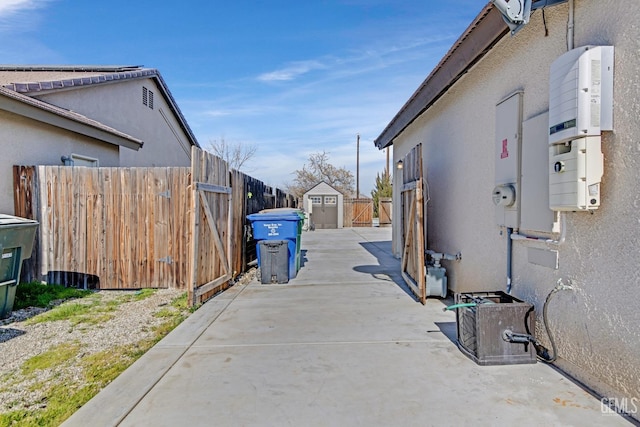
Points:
(147, 97)
(330, 200)
(316, 200)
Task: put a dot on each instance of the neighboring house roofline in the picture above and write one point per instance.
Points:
(479, 38)
(110, 74)
(41, 111)
(72, 68)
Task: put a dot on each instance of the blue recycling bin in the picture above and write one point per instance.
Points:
(279, 225)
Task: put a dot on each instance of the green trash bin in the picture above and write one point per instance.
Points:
(16, 243)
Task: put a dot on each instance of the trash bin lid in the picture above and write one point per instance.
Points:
(274, 216)
(6, 220)
(281, 210)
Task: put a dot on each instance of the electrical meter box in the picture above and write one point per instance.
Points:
(507, 161)
(580, 107)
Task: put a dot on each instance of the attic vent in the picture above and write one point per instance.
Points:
(147, 97)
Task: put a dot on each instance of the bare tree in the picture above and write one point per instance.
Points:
(236, 154)
(319, 169)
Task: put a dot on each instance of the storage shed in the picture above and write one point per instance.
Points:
(325, 205)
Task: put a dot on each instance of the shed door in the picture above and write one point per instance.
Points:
(325, 211)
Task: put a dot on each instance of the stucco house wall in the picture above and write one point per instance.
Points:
(596, 323)
(27, 142)
(120, 105)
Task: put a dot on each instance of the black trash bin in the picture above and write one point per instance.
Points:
(274, 261)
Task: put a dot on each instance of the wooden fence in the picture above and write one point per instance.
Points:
(384, 211)
(250, 196)
(358, 213)
(125, 227)
(132, 228)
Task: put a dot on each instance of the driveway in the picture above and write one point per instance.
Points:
(342, 344)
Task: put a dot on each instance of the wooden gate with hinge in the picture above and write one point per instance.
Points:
(212, 226)
(413, 229)
(384, 211)
(358, 212)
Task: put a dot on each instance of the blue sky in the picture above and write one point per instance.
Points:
(291, 77)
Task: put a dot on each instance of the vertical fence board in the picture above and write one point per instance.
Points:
(95, 250)
(26, 205)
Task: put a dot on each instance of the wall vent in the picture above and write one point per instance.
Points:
(147, 97)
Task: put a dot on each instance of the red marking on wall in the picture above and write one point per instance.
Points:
(505, 151)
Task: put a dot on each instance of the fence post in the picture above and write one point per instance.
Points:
(26, 205)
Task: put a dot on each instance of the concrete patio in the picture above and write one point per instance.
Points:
(342, 344)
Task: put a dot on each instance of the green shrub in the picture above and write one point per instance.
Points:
(35, 294)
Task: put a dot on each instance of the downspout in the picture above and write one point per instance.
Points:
(570, 23)
(509, 258)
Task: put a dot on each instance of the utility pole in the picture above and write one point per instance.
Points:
(357, 166)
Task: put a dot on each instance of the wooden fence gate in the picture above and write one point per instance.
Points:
(212, 226)
(413, 230)
(358, 213)
(384, 211)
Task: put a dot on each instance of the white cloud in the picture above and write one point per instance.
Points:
(18, 15)
(291, 71)
(217, 113)
(10, 6)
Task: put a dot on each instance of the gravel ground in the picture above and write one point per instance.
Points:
(132, 322)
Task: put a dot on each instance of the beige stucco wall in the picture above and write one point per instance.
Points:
(119, 105)
(596, 324)
(27, 142)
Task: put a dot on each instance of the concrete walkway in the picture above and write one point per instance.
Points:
(343, 344)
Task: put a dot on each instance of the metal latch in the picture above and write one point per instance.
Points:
(167, 260)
